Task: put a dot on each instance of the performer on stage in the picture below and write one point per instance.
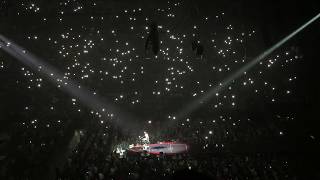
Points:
(145, 138)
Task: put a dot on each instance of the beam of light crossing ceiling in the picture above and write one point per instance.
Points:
(107, 110)
(194, 105)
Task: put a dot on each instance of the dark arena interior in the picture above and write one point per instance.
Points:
(159, 89)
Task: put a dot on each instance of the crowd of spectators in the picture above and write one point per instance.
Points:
(105, 54)
(96, 158)
(33, 148)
